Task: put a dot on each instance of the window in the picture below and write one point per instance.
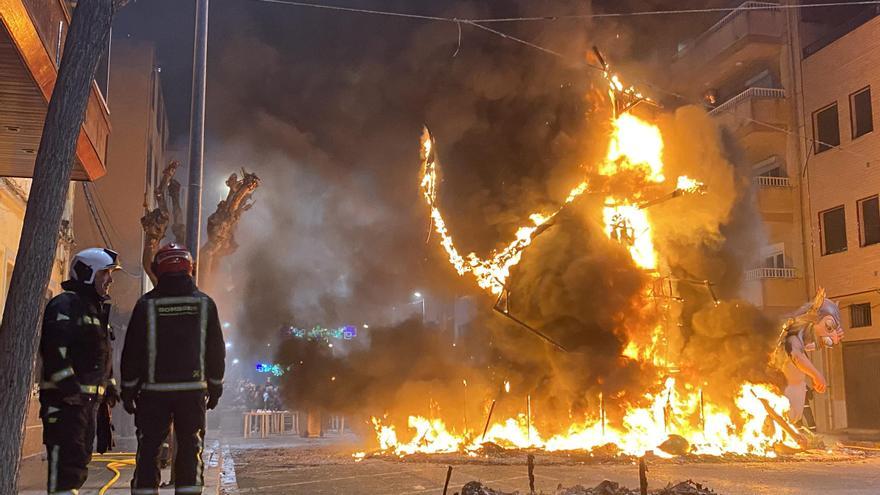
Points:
(774, 261)
(772, 172)
(860, 112)
(833, 225)
(869, 221)
(826, 128)
(860, 315)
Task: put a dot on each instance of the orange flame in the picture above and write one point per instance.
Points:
(635, 147)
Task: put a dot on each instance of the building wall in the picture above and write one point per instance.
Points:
(135, 149)
(13, 201)
(842, 176)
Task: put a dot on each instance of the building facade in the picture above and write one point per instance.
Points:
(793, 89)
(841, 81)
(740, 68)
(32, 34)
(108, 212)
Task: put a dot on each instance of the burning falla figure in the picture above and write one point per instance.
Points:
(816, 323)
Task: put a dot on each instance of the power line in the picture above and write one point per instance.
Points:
(749, 6)
(478, 23)
(363, 11)
(741, 8)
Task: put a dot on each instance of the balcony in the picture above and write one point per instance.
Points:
(762, 181)
(771, 273)
(32, 36)
(755, 109)
(749, 35)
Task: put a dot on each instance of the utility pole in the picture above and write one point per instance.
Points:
(197, 132)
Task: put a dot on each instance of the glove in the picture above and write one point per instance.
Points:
(104, 432)
(214, 394)
(128, 400)
(111, 396)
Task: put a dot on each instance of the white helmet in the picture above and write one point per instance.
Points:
(88, 262)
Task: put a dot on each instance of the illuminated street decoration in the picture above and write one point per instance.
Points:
(274, 369)
(318, 332)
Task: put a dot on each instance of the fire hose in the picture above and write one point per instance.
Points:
(114, 462)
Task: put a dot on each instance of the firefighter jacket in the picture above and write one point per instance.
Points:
(75, 345)
(173, 341)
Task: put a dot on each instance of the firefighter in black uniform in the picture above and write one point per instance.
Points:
(172, 369)
(77, 373)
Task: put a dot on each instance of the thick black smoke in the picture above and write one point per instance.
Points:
(327, 108)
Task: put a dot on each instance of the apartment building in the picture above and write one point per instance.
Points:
(840, 73)
(740, 68)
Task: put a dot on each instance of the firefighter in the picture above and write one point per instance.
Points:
(172, 370)
(77, 374)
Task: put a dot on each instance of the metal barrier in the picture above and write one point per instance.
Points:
(265, 423)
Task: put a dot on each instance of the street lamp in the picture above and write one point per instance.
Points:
(421, 300)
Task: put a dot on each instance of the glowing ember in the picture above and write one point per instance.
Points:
(686, 184)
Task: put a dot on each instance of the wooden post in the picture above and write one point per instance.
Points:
(643, 476)
(488, 418)
(529, 417)
(20, 330)
(448, 475)
(531, 463)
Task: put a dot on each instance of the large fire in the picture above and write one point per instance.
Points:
(674, 410)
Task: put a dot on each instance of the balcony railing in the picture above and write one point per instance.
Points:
(746, 95)
(765, 273)
(762, 181)
(745, 7)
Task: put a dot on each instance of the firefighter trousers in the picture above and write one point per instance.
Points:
(156, 411)
(69, 434)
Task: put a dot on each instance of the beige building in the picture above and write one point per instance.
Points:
(741, 68)
(841, 80)
(793, 88)
(108, 211)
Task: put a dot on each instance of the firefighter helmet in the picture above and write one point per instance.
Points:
(172, 258)
(88, 262)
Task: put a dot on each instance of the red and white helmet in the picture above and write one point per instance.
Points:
(172, 258)
(88, 262)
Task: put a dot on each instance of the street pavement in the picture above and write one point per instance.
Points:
(388, 477)
(318, 467)
(287, 464)
(32, 480)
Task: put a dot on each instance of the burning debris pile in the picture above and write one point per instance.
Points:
(636, 309)
(634, 276)
(604, 488)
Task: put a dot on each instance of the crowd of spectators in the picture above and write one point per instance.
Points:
(253, 397)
